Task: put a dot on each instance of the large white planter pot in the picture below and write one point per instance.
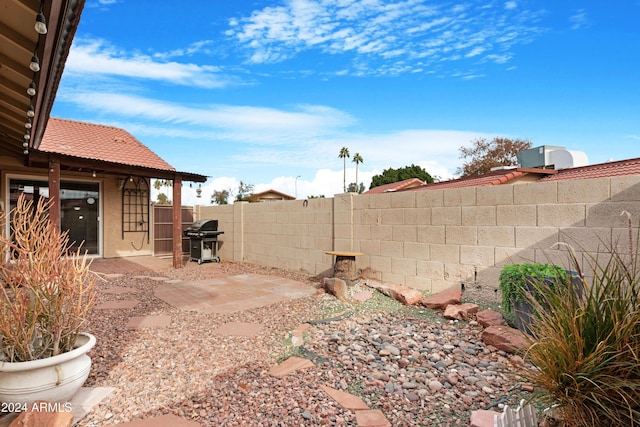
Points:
(54, 379)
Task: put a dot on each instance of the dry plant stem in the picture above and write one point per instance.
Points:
(587, 347)
(47, 289)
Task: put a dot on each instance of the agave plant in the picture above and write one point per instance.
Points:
(586, 347)
(46, 290)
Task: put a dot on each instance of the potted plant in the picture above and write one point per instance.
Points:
(519, 283)
(46, 292)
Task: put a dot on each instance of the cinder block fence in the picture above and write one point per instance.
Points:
(434, 239)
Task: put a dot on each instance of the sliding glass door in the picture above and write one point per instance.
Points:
(79, 208)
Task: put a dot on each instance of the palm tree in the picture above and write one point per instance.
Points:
(344, 153)
(357, 159)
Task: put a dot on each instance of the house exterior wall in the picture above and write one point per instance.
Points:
(434, 239)
(133, 243)
(113, 244)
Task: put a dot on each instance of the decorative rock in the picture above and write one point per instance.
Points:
(490, 318)
(460, 311)
(336, 287)
(435, 385)
(442, 299)
(362, 296)
(34, 418)
(482, 418)
(406, 296)
(505, 338)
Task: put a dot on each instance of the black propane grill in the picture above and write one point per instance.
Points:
(203, 240)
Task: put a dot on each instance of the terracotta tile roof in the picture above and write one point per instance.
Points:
(600, 170)
(396, 186)
(98, 142)
(497, 177)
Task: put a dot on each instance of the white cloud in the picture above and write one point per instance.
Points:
(239, 122)
(95, 57)
(579, 19)
(404, 29)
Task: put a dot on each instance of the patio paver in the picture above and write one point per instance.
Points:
(239, 329)
(371, 418)
(290, 365)
(117, 305)
(346, 400)
(168, 420)
(157, 321)
(118, 290)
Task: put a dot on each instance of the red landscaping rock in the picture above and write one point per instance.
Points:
(405, 295)
(482, 418)
(34, 417)
(441, 300)
(490, 318)
(460, 311)
(336, 287)
(505, 338)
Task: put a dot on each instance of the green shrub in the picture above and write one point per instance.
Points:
(516, 280)
(586, 346)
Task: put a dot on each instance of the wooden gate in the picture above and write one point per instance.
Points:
(163, 229)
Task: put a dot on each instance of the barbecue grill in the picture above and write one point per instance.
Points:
(203, 240)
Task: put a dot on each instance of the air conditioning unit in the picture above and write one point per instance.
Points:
(551, 156)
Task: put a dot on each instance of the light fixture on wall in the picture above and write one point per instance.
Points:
(28, 124)
(93, 174)
(31, 112)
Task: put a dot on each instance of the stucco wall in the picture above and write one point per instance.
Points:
(113, 244)
(434, 239)
(133, 243)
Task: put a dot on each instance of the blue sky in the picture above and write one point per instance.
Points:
(267, 92)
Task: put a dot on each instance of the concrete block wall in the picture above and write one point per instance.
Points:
(292, 234)
(436, 239)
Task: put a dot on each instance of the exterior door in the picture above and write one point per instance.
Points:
(79, 208)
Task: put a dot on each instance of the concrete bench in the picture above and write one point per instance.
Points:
(345, 265)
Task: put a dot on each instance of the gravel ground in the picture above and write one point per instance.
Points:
(415, 366)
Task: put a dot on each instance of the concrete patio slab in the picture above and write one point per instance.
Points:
(117, 305)
(239, 329)
(86, 398)
(139, 322)
(232, 294)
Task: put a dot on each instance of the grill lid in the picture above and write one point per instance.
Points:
(203, 225)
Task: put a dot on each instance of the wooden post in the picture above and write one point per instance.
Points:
(54, 192)
(177, 222)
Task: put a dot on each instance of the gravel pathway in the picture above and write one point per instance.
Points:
(415, 366)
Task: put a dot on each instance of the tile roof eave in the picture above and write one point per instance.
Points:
(115, 168)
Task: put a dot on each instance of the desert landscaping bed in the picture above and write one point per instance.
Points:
(415, 366)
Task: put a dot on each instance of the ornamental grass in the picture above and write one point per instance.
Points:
(586, 346)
